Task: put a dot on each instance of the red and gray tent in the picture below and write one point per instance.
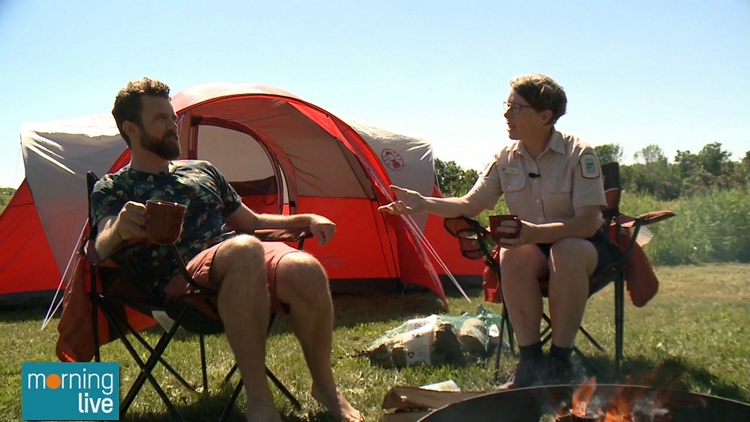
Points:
(281, 153)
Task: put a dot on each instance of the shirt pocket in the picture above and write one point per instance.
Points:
(514, 188)
(557, 197)
(513, 184)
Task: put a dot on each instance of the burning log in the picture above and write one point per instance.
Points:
(626, 405)
(574, 418)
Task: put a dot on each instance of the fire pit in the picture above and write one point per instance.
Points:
(607, 402)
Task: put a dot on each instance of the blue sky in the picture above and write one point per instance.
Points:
(671, 73)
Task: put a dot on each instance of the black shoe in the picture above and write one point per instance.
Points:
(527, 373)
(559, 371)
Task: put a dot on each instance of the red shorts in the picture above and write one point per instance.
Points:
(199, 267)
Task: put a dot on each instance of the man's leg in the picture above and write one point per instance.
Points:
(244, 307)
(302, 283)
(571, 262)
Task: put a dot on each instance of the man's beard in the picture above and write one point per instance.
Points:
(166, 147)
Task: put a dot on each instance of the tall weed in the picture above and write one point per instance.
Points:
(713, 226)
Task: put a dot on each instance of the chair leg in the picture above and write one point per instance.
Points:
(228, 408)
(297, 405)
(619, 321)
(146, 368)
(547, 332)
(229, 374)
(511, 335)
(504, 323)
(587, 362)
(591, 339)
(164, 363)
(204, 370)
(95, 320)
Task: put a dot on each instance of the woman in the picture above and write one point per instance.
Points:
(552, 181)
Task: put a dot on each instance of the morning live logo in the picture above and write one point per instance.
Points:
(70, 391)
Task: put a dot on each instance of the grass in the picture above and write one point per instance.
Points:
(695, 330)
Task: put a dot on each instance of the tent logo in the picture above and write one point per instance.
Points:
(392, 159)
(70, 391)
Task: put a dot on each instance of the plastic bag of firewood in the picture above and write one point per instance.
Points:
(434, 340)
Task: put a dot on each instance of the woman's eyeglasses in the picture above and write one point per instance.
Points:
(515, 108)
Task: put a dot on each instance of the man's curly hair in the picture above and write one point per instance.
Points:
(128, 104)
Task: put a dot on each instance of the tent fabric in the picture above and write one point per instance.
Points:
(20, 221)
(287, 154)
(43, 221)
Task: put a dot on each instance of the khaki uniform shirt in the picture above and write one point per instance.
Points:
(565, 176)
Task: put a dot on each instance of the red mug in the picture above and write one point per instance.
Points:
(164, 221)
(496, 221)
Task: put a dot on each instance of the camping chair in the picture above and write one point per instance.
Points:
(114, 297)
(633, 266)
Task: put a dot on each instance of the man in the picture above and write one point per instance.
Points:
(252, 278)
(552, 181)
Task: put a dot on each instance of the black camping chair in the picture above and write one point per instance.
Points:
(475, 242)
(113, 295)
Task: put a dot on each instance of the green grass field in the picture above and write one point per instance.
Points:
(694, 332)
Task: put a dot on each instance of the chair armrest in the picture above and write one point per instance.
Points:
(282, 235)
(106, 261)
(94, 258)
(645, 219)
(459, 226)
(655, 216)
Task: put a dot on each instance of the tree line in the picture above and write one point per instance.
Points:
(5, 195)
(689, 173)
(652, 173)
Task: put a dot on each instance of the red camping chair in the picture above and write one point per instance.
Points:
(118, 308)
(632, 271)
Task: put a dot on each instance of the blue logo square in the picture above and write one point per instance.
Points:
(70, 391)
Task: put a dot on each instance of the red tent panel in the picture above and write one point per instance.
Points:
(28, 264)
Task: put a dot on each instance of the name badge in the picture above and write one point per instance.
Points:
(511, 170)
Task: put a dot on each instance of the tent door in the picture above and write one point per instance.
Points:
(252, 170)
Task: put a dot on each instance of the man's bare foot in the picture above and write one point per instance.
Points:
(337, 405)
(262, 414)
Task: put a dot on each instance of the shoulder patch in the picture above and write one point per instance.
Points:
(590, 166)
(487, 170)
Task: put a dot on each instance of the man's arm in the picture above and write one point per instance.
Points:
(244, 220)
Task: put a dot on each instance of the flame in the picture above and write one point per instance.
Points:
(620, 408)
(582, 396)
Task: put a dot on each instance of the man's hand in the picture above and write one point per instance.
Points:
(130, 222)
(408, 202)
(322, 228)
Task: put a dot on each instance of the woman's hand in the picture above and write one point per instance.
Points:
(408, 202)
(527, 234)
